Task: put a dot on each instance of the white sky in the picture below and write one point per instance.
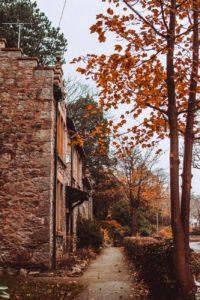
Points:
(79, 15)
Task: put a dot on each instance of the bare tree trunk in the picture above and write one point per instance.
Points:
(133, 221)
(184, 279)
(189, 133)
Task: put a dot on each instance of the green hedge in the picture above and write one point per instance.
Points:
(89, 234)
(154, 261)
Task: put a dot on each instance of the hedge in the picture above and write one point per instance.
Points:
(154, 261)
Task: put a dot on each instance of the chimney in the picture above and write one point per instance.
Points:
(58, 72)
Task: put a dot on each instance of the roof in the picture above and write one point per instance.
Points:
(75, 196)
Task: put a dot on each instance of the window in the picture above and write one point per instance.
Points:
(59, 206)
(79, 168)
(60, 135)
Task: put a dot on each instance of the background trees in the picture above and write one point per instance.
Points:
(144, 185)
(38, 38)
(124, 182)
(91, 125)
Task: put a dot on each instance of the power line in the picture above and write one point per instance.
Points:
(62, 13)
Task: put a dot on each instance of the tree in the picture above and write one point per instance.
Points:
(144, 188)
(154, 72)
(76, 90)
(108, 192)
(91, 125)
(38, 37)
(120, 211)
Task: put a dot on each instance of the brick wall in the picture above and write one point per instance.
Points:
(26, 164)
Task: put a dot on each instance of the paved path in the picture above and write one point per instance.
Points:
(108, 277)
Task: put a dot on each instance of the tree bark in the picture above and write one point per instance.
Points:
(183, 277)
(189, 133)
(133, 221)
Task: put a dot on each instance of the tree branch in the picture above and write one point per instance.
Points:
(163, 14)
(144, 20)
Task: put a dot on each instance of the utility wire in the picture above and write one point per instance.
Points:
(62, 13)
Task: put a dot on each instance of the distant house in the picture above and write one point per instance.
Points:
(43, 187)
(194, 222)
(195, 212)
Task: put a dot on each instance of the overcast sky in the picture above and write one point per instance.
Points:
(78, 16)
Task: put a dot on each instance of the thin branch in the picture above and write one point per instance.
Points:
(162, 111)
(144, 20)
(153, 56)
(184, 32)
(163, 14)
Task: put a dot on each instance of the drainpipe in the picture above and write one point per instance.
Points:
(72, 158)
(58, 97)
(70, 206)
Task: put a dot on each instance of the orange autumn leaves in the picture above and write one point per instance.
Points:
(135, 73)
(98, 131)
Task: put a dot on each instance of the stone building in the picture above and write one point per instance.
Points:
(79, 185)
(43, 188)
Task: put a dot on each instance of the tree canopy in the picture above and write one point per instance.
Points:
(38, 37)
(91, 125)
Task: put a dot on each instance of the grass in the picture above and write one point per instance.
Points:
(24, 288)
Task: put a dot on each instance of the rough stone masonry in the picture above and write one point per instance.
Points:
(26, 159)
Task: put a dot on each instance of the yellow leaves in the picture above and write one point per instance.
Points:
(77, 141)
(118, 48)
(98, 29)
(110, 11)
(81, 70)
(90, 107)
(102, 38)
(93, 28)
(135, 73)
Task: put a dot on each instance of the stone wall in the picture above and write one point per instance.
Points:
(26, 165)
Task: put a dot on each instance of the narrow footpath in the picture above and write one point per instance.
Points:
(108, 278)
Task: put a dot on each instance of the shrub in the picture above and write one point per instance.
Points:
(89, 234)
(111, 227)
(115, 231)
(195, 265)
(121, 212)
(154, 261)
(165, 233)
(106, 237)
(144, 226)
